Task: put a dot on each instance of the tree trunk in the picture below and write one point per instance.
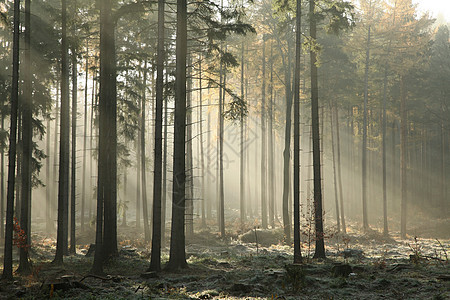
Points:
(55, 152)
(2, 185)
(27, 135)
(403, 144)
(287, 150)
(189, 163)
(364, 143)
(177, 257)
(155, 262)
(83, 177)
(263, 140)
(63, 184)
(142, 158)
(336, 198)
(107, 148)
(7, 257)
(271, 177)
(318, 215)
(242, 147)
(443, 204)
(72, 249)
(383, 158)
(164, 179)
(298, 36)
(202, 154)
(221, 212)
(138, 178)
(339, 173)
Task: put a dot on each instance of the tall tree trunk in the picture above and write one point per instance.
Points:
(55, 153)
(221, 212)
(287, 149)
(138, 178)
(208, 162)
(202, 152)
(339, 173)
(383, 158)
(107, 148)
(27, 145)
(2, 184)
(83, 177)
(177, 257)
(336, 198)
(364, 143)
(443, 204)
(242, 147)
(271, 177)
(94, 131)
(155, 262)
(298, 36)
(403, 144)
(263, 140)
(142, 158)
(164, 179)
(63, 184)
(72, 249)
(189, 163)
(7, 257)
(318, 215)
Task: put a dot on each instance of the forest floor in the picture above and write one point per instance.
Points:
(358, 266)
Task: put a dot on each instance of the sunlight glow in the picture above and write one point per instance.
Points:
(435, 7)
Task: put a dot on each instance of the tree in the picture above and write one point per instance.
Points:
(364, 143)
(155, 263)
(143, 158)
(297, 246)
(7, 258)
(320, 247)
(177, 258)
(27, 135)
(73, 190)
(106, 231)
(263, 140)
(63, 183)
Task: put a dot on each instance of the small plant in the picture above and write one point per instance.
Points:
(443, 250)
(20, 238)
(416, 249)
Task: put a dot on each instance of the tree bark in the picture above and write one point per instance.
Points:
(143, 158)
(271, 178)
(403, 144)
(364, 143)
(202, 154)
(177, 258)
(7, 257)
(72, 249)
(2, 185)
(318, 214)
(383, 158)
(189, 162)
(27, 145)
(339, 173)
(83, 177)
(263, 140)
(242, 147)
(107, 147)
(336, 198)
(155, 261)
(298, 36)
(63, 184)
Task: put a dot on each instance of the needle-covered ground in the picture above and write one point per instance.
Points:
(358, 266)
